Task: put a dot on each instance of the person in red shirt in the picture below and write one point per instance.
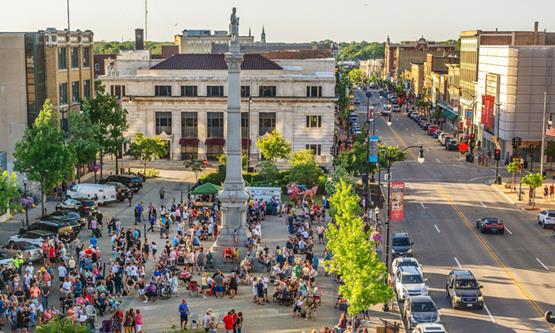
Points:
(229, 322)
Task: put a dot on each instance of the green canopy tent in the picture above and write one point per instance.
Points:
(207, 188)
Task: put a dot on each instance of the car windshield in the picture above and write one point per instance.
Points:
(401, 241)
(423, 307)
(551, 214)
(494, 221)
(413, 278)
(407, 263)
(31, 235)
(466, 284)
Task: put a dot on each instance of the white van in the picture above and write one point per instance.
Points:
(104, 193)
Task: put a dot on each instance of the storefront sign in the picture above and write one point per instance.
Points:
(487, 117)
(397, 201)
(469, 117)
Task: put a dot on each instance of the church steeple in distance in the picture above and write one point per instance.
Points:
(263, 36)
(250, 32)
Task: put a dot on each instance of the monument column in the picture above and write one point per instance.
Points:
(233, 196)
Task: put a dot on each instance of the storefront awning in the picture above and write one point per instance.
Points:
(215, 142)
(189, 141)
(447, 111)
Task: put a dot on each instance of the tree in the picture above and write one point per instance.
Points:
(355, 76)
(533, 180)
(42, 153)
(196, 166)
(147, 149)
(354, 257)
(273, 146)
(106, 112)
(269, 173)
(9, 192)
(360, 51)
(62, 325)
(83, 137)
(550, 152)
(304, 168)
(340, 173)
(512, 168)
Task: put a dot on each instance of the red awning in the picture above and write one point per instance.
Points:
(215, 142)
(189, 141)
(245, 143)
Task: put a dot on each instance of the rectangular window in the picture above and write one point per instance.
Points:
(97, 67)
(189, 91)
(63, 93)
(62, 58)
(266, 122)
(313, 121)
(87, 57)
(213, 151)
(267, 91)
(163, 122)
(189, 152)
(87, 89)
(314, 91)
(189, 125)
(162, 90)
(75, 92)
(117, 90)
(215, 125)
(215, 91)
(316, 149)
(74, 57)
(245, 91)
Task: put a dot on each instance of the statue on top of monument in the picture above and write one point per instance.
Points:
(234, 25)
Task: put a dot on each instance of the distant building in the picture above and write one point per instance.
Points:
(183, 100)
(202, 41)
(417, 78)
(35, 66)
(399, 56)
(371, 67)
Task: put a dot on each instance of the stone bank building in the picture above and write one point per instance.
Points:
(183, 100)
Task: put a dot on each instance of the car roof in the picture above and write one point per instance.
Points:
(400, 234)
(409, 270)
(420, 299)
(463, 274)
(403, 259)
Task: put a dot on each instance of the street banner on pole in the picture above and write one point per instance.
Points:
(373, 149)
(397, 201)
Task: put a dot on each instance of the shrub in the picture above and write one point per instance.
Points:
(214, 178)
(152, 173)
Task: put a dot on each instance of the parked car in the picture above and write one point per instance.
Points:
(436, 134)
(30, 252)
(451, 144)
(405, 262)
(431, 129)
(62, 229)
(386, 110)
(395, 107)
(546, 218)
(491, 225)
(409, 282)
(420, 310)
(5, 259)
(463, 290)
(429, 328)
(357, 100)
(68, 214)
(122, 191)
(401, 245)
(35, 236)
(103, 193)
(353, 118)
(134, 182)
(83, 207)
(443, 138)
(74, 223)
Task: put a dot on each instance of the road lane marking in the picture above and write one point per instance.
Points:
(483, 205)
(541, 263)
(422, 204)
(458, 263)
(487, 247)
(439, 232)
(437, 160)
(489, 313)
(509, 231)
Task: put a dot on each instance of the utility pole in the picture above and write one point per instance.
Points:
(497, 180)
(542, 151)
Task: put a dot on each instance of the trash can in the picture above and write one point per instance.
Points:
(470, 158)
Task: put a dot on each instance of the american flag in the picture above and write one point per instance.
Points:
(550, 131)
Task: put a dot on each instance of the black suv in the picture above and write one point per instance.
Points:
(463, 290)
(401, 245)
(134, 183)
(64, 231)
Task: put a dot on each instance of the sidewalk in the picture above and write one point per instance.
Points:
(512, 195)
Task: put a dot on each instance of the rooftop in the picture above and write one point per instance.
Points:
(215, 62)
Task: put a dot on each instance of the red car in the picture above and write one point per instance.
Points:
(432, 129)
(491, 225)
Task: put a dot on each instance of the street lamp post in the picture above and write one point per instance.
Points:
(497, 180)
(26, 202)
(521, 166)
(390, 160)
(366, 185)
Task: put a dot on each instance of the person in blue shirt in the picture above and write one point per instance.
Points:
(183, 313)
(93, 241)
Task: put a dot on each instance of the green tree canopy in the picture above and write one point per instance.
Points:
(42, 153)
(114, 47)
(533, 180)
(304, 168)
(9, 191)
(62, 325)
(147, 149)
(196, 166)
(269, 173)
(83, 137)
(355, 77)
(273, 146)
(340, 173)
(354, 257)
(360, 51)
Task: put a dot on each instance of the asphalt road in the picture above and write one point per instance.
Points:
(443, 199)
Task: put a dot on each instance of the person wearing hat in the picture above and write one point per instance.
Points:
(183, 313)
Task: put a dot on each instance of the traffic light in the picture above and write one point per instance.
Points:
(497, 154)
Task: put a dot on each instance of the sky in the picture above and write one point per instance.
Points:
(284, 20)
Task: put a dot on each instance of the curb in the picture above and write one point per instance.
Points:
(515, 204)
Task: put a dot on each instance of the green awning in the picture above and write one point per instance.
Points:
(449, 114)
(206, 188)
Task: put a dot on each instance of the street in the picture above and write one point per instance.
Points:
(443, 198)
